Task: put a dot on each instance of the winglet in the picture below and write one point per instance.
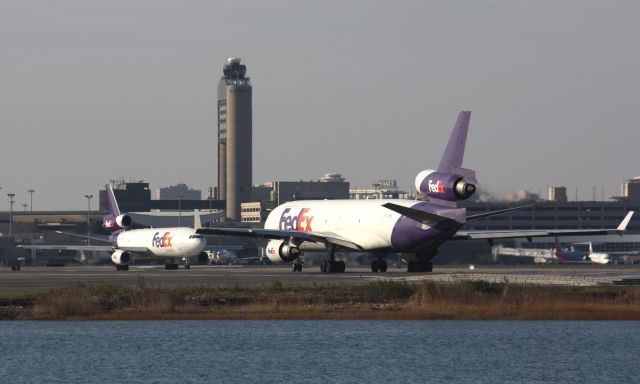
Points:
(454, 152)
(625, 221)
(197, 223)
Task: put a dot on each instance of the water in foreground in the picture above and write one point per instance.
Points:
(319, 352)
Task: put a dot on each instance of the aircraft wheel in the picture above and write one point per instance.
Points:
(187, 266)
(413, 266)
(379, 265)
(341, 266)
(428, 267)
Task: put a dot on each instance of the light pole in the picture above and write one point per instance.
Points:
(11, 196)
(210, 197)
(180, 210)
(88, 222)
(31, 192)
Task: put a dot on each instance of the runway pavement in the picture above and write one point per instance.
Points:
(42, 278)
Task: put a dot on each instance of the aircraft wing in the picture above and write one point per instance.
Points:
(106, 248)
(223, 248)
(94, 238)
(135, 249)
(314, 237)
(492, 235)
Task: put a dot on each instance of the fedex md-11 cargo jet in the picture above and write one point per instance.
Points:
(414, 228)
(170, 244)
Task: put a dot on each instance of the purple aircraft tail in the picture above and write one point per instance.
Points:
(111, 201)
(114, 221)
(454, 152)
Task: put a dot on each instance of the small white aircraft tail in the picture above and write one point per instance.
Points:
(197, 223)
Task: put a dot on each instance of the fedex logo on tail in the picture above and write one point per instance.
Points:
(109, 223)
(161, 241)
(437, 187)
(300, 222)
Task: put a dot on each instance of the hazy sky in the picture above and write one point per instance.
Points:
(95, 90)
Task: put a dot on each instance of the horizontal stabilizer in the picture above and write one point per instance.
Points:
(428, 218)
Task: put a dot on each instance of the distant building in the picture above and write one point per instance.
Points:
(131, 197)
(255, 212)
(331, 186)
(558, 194)
(268, 195)
(136, 197)
(382, 189)
(631, 189)
(174, 192)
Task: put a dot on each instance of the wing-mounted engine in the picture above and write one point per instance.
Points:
(460, 184)
(203, 258)
(120, 257)
(280, 251)
(124, 221)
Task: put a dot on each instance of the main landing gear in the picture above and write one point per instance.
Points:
(420, 266)
(332, 265)
(378, 265)
(172, 266)
(124, 267)
(297, 266)
(422, 262)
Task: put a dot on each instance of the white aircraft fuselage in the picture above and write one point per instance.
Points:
(163, 242)
(364, 222)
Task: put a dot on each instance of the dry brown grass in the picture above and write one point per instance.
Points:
(379, 300)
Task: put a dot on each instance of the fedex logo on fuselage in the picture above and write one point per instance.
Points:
(437, 187)
(161, 241)
(300, 222)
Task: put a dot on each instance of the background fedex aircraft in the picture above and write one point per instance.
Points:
(171, 243)
(416, 228)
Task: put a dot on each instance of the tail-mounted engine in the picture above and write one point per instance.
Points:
(279, 251)
(124, 221)
(446, 186)
(120, 257)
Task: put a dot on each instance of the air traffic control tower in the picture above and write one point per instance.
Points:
(234, 137)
